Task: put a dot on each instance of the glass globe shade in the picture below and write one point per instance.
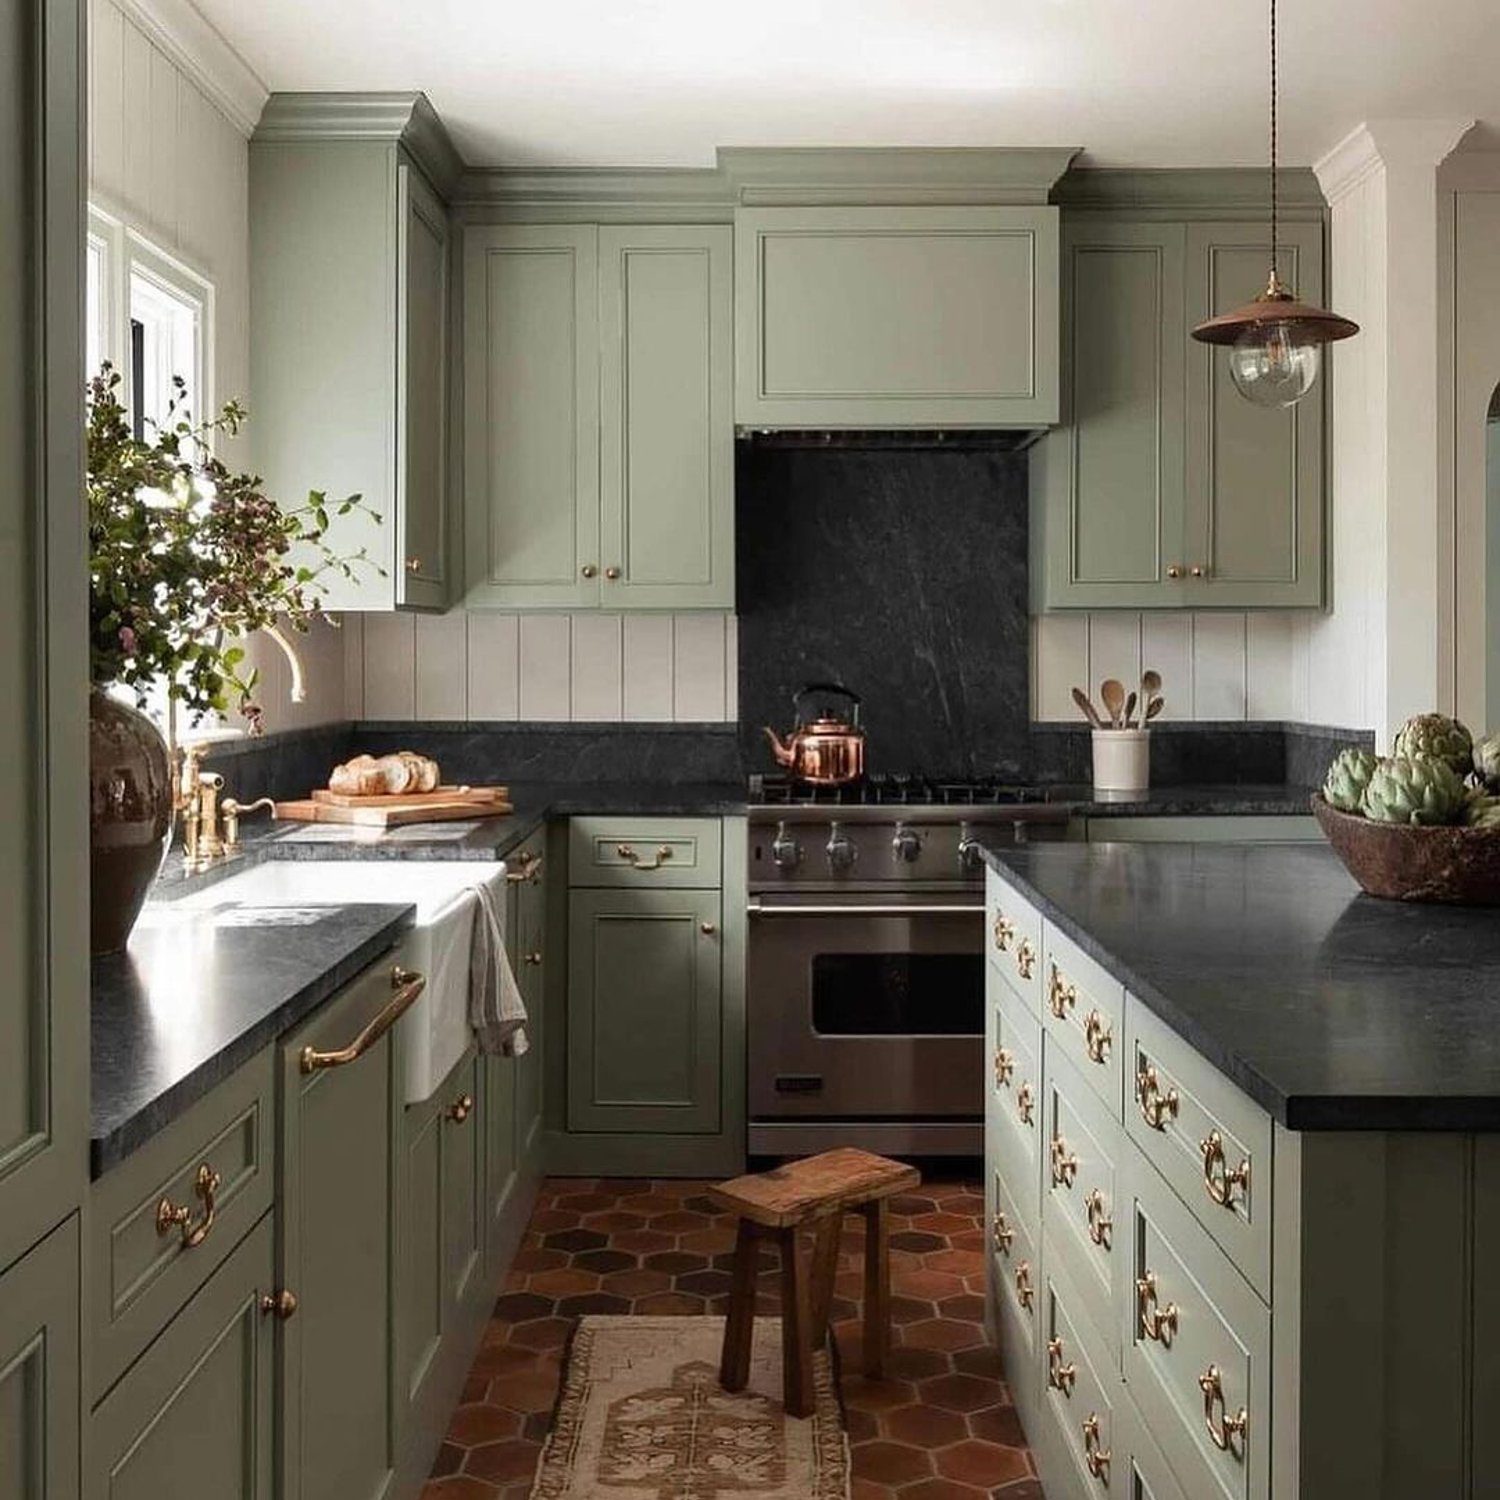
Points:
(1271, 366)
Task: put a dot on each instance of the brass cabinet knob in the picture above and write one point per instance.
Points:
(534, 959)
(1064, 1163)
(1005, 932)
(1025, 1102)
(1005, 1065)
(1226, 1432)
(1174, 570)
(283, 1304)
(1060, 1375)
(1001, 1233)
(589, 570)
(1198, 570)
(461, 1108)
(1156, 1323)
(1097, 1037)
(413, 564)
(612, 574)
(1220, 1180)
(1061, 996)
(170, 1216)
(708, 928)
(1097, 1213)
(1156, 1107)
(1025, 959)
(1095, 1455)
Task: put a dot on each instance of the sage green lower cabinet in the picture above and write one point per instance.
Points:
(194, 1416)
(39, 1371)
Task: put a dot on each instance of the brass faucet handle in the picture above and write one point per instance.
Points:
(233, 811)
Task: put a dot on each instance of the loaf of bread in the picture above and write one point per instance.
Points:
(385, 775)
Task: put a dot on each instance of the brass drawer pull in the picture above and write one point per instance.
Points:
(282, 1303)
(534, 959)
(1061, 996)
(1222, 1428)
(1025, 1103)
(1218, 1177)
(1005, 932)
(1156, 1323)
(527, 868)
(461, 1108)
(170, 1216)
(1101, 1226)
(1095, 1456)
(1097, 1037)
(1024, 1293)
(1005, 1065)
(626, 852)
(1060, 1376)
(1025, 959)
(1064, 1164)
(1001, 1233)
(1156, 1107)
(407, 986)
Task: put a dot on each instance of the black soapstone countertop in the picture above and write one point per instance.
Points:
(1332, 1009)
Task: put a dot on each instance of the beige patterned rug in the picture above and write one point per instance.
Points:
(641, 1416)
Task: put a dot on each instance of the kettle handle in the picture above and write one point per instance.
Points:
(826, 687)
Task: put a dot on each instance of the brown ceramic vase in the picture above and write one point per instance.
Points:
(130, 817)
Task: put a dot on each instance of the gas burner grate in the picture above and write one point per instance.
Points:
(894, 789)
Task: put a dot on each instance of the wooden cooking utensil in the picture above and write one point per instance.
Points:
(1130, 709)
(1112, 691)
(1086, 704)
(1153, 708)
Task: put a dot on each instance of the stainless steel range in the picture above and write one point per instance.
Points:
(865, 992)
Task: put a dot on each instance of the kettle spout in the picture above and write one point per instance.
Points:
(784, 750)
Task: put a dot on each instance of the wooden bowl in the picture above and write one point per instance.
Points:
(1460, 866)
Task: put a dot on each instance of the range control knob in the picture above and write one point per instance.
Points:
(906, 845)
(841, 850)
(785, 850)
(969, 855)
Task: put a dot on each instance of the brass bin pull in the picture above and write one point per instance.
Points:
(1005, 1065)
(170, 1216)
(1064, 1163)
(461, 1108)
(1223, 1429)
(1219, 1178)
(1025, 1102)
(529, 868)
(1061, 996)
(282, 1303)
(632, 855)
(1001, 1233)
(407, 986)
(1097, 1037)
(1025, 959)
(1101, 1226)
(1094, 1455)
(1005, 932)
(1157, 1324)
(1156, 1107)
(1025, 1294)
(1060, 1376)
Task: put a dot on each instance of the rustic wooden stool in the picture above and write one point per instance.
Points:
(774, 1205)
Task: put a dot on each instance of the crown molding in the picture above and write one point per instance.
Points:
(203, 55)
(1197, 192)
(1378, 144)
(406, 118)
(690, 195)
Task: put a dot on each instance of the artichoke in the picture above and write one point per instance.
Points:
(1347, 779)
(1436, 737)
(1482, 812)
(1487, 761)
(1406, 789)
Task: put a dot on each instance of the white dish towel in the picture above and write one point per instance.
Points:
(496, 1009)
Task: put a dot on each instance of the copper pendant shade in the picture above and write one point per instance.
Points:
(1303, 323)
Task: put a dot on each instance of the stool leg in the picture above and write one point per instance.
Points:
(796, 1347)
(739, 1326)
(877, 1288)
(825, 1269)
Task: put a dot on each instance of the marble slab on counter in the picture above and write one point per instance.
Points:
(196, 995)
(1330, 1008)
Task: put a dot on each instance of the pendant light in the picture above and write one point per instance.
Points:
(1276, 342)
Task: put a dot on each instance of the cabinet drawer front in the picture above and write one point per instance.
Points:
(1208, 1140)
(1197, 1345)
(143, 1269)
(1081, 1385)
(1084, 1011)
(1015, 1275)
(1013, 940)
(1080, 1197)
(644, 852)
(1145, 1474)
(1014, 1113)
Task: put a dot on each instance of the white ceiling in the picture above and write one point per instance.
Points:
(663, 82)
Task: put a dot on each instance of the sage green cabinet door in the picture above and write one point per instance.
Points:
(528, 952)
(463, 1186)
(44, 837)
(1254, 477)
(666, 314)
(193, 1417)
(422, 392)
(336, 1230)
(531, 415)
(420, 1299)
(644, 1022)
(39, 1371)
(896, 317)
(1108, 484)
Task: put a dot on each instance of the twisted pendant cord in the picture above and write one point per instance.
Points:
(1273, 140)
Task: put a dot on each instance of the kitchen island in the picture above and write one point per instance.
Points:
(1242, 1174)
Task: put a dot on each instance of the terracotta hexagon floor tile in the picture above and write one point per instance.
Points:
(458, 1487)
(539, 1260)
(525, 1391)
(917, 1241)
(943, 1223)
(932, 1286)
(521, 1307)
(586, 1203)
(637, 1283)
(982, 1359)
(713, 1241)
(449, 1460)
(593, 1302)
(648, 1203)
(998, 1424)
(564, 1283)
(470, 1426)
(614, 1221)
(603, 1260)
(546, 1220)
(971, 1240)
(678, 1221)
(642, 1241)
(876, 1395)
(476, 1388)
(961, 1393)
(547, 1333)
(965, 1306)
(513, 1459)
(942, 1333)
(905, 1363)
(704, 1283)
(923, 1426)
(912, 1203)
(942, 1489)
(575, 1239)
(861, 1426)
(889, 1463)
(675, 1262)
(867, 1489)
(957, 1262)
(983, 1464)
(909, 1309)
(667, 1303)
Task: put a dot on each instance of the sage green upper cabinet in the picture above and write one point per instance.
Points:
(896, 316)
(44, 836)
(1163, 487)
(349, 307)
(598, 427)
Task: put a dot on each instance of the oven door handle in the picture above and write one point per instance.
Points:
(889, 909)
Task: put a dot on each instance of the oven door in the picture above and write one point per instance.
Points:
(866, 1006)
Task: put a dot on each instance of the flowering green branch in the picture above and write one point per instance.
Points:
(186, 555)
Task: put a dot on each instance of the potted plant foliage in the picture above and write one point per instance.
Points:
(186, 559)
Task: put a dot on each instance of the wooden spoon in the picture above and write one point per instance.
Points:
(1112, 691)
(1154, 707)
(1130, 710)
(1085, 703)
(1150, 686)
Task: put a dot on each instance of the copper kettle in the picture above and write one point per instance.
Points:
(826, 750)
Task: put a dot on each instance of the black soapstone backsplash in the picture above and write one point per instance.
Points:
(901, 573)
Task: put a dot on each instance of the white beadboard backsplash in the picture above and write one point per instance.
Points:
(1214, 665)
(597, 668)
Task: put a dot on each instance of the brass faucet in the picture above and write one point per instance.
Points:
(196, 795)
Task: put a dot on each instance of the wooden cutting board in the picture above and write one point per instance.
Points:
(444, 805)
